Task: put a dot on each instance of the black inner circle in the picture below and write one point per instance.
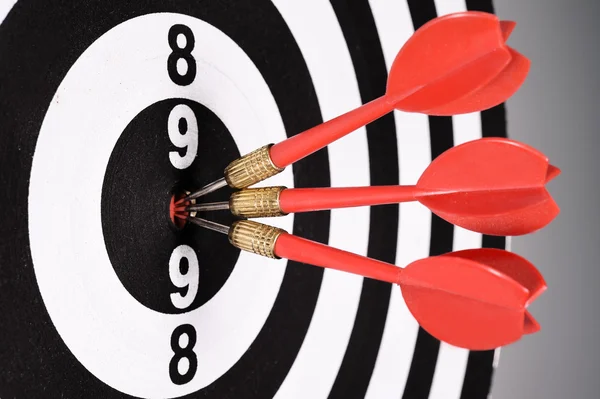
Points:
(138, 185)
(40, 361)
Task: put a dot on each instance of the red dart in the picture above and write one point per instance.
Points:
(474, 299)
(445, 60)
(454, 63)
(493, 186)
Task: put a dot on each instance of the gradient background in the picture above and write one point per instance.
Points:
(557, 112)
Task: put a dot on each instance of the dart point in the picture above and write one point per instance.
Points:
(177, 222)
(177, 203)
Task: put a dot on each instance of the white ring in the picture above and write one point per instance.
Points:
(120, 341)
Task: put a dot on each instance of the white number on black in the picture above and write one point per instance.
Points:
(183, 132)
(187, 278)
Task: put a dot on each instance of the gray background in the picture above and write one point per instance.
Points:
(557, 112)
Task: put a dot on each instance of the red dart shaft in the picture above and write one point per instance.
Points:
(305, 251)
(295, 148)
(316, 199)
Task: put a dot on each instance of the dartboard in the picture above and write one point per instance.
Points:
(102, 297)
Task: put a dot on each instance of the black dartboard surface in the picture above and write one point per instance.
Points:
(108, 107)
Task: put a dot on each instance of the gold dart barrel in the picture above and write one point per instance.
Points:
(260, 202)
(251, 168)
(255, 237)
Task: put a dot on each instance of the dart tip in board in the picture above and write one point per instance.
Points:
(177, 213)
(174, 215)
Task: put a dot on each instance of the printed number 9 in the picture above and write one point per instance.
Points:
(183, 132)
(188, 279)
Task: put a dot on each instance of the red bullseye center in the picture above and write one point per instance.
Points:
(179, 222)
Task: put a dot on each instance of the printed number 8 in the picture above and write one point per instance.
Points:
(184, 53)
(183, 352)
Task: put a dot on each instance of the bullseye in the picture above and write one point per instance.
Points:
(176, 221)
(176, 198)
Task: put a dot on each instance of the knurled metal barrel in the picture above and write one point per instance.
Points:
(255, 237)
(256, 202)
(251, 168)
